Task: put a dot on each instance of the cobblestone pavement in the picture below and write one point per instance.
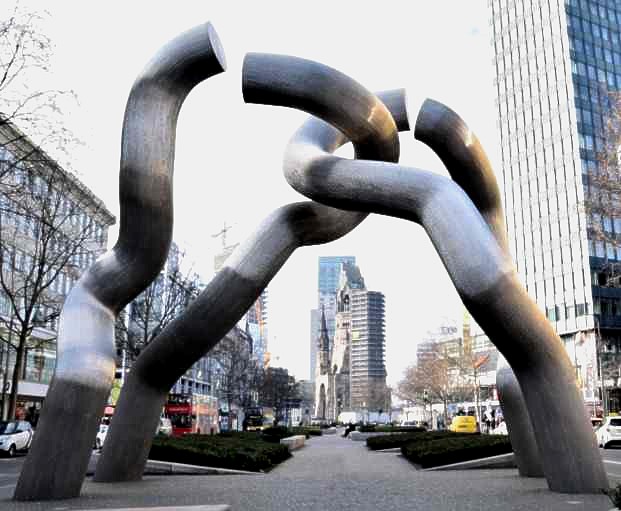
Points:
(331, 473)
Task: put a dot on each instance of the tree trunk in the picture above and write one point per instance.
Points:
(445, 403)
(17, 372)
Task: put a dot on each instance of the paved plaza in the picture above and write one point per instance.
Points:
(329, 473)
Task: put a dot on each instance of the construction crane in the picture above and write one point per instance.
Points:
(223, 234)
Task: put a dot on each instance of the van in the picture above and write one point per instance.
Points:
(463, 424)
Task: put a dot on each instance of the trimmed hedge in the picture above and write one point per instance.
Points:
(444, 451)
(400, 439)
(239, 451)
(276, 433)
(307, 431)
(369, 428)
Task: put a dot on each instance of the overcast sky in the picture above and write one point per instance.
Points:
(229, 155)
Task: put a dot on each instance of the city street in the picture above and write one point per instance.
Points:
(350, 475)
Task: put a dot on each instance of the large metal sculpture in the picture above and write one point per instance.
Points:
(242, 279)
(59, 456)
(479, 267)
(465, 225)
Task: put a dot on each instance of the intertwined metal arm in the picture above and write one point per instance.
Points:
(57, 462)
(484, 277)
(242, 279)
(463, 156)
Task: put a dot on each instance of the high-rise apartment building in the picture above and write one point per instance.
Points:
(556, 61)
(368, 368)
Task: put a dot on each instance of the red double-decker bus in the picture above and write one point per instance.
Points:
(192, 413)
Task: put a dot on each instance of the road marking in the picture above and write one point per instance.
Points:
(613, 462)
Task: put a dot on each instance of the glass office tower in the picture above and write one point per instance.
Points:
(555, 63)
(328, 285)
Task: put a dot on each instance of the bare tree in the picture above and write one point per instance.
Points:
(164, 299)
(26, 100)
(379, 397)
(602, 199)
(240, 375)
(429, 378)
(280, 391)
(45, 237)
(443, 375)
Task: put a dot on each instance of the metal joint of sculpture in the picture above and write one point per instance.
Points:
(244, 276)
(478, 265)
(463, 218)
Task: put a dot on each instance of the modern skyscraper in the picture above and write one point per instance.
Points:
(555, 64)
(328, 285)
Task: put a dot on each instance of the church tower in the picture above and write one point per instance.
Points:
(323, 345)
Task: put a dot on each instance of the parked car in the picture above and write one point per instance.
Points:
(101, 436)
(609, 433)
(15, 436)
(463, 424)
(164, 427)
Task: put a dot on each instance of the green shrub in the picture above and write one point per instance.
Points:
(399, 429)
(239, 451)
(453, 449)
(400, 439)
(253, 435)
(306, 431)
(275, 433)
(366, 428)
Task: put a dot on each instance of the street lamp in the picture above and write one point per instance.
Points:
(598, 342)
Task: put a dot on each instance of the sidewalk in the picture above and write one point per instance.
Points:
(331, 473)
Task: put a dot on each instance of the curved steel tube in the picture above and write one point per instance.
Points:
(233, 290)
(481, 271)
(451, 139)
(519, 425)
(57, 462)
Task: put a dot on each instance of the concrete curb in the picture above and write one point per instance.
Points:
(212, 507)
(293, 442)
(392, 449)
(500, 461)
(155, 467)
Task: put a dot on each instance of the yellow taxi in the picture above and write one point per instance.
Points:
(464, 424)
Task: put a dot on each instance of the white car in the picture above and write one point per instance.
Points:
(15, 436)
(101, 436)
(609, 433)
